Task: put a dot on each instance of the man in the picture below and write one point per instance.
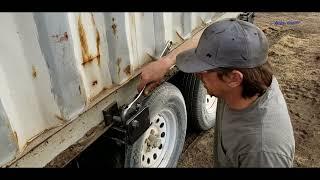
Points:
(253, 127)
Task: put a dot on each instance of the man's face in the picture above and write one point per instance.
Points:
(215, 86)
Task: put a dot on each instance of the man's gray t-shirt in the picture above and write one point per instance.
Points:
(258, 136)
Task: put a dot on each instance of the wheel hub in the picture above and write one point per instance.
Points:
(210, 102)
(154, 144)
(153, 141)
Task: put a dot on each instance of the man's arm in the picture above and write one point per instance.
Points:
(154, 72)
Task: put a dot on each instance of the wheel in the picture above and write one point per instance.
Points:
(204, 113)
(201, 107)
(161, 145)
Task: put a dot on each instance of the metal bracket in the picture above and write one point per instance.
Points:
(126, 131)
(137, 125)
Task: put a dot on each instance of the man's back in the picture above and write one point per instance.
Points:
(258, 136)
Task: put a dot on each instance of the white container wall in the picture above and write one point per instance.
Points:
(53, 66)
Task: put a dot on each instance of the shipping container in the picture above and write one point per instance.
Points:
(60, 71)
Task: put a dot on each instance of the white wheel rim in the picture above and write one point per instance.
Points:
(159, 140)
(210, 103)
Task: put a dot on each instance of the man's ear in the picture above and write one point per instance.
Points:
(235, 78)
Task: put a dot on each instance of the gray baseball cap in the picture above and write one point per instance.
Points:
(226, 43)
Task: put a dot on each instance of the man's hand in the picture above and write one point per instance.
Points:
(152, 74)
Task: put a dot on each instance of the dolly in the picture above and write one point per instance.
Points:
(132, 120)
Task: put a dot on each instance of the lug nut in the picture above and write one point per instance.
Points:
(135, 124)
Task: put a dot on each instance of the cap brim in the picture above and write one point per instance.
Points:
(188, 62)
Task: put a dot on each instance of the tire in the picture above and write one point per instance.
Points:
(201, 107)
(168, 116)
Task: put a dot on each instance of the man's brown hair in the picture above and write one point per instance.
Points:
(255, 80)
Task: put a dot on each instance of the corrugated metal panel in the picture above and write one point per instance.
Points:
(57, 47)
(25, 88)
(54, 65)
(8, 139)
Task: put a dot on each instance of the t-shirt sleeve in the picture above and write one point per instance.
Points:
(264, 160)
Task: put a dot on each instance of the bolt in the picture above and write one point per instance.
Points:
(148, 149)
(135, 124)
(156, 143)
(152, 132)
(116, 118)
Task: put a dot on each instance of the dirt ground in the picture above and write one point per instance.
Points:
(294, 53)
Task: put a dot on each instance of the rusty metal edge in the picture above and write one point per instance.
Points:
(74, 150)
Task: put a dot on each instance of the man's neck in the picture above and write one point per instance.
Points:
(237, 102)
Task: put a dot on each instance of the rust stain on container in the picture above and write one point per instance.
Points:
(91, 58)
(61, 37)
(90, 132)
(118, 65)
(86, 56)
(34, 72)
(79, 89)
(97, 39)
(64, 37)
(94, 83)
(114, 28)
(61, 119)
(127, 70)
(14, 136)
(83, 41)
(98, 46)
